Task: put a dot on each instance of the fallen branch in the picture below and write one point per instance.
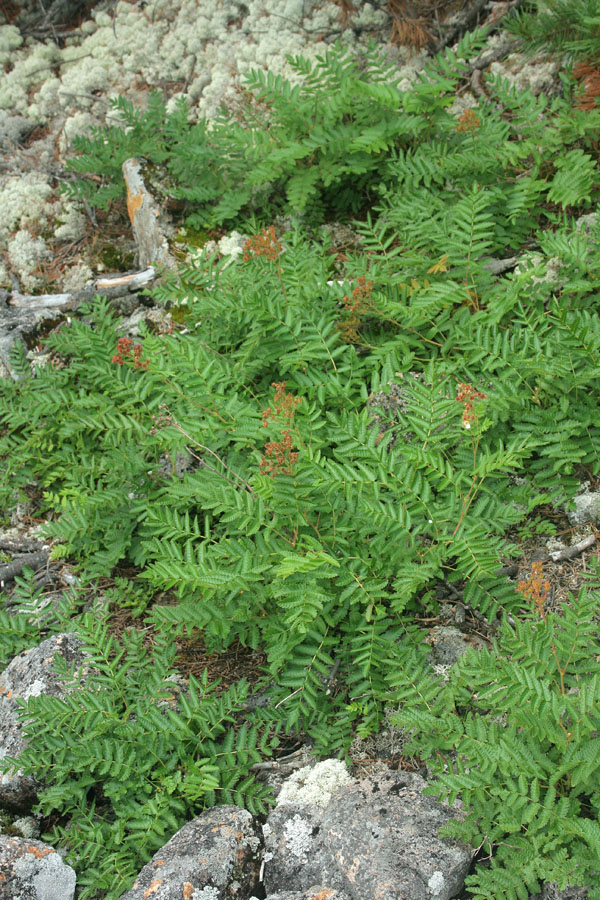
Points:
(574, 550)
(497, 266)
(30, 560)
(27, 545)
(107, 285)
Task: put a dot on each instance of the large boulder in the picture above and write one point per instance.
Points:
(30, 674)
(375, 840)
(30, 870)
(214, 857)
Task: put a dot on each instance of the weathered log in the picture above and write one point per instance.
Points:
(31, 560)
(26, 545)
(23, 316)
(144, 214)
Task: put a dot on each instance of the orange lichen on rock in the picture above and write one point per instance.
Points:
(39, 852)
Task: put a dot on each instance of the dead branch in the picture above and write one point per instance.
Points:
(27, 545)
(574, 550)
(30, 560)
(110, 285)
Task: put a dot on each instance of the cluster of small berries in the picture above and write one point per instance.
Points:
(361, 292)
(469, 121)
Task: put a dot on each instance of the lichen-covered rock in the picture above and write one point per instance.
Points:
(315, 893)
(375, 840)
(28, 675)
(30, 870)
(214, 857)
(315, 784)
(383, 837)
(296, 851)
(587, 509)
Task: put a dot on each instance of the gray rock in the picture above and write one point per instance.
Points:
(28, 675)
(376, 840)
(449, 643)
(214, 857)
(318, 892)
(552, 892)
(31, 870)
(296, 851)
(587, 509)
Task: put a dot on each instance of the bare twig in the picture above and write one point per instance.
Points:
(574, 550)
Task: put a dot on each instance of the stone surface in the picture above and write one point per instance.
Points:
(315, 893)
(30, 870)
(587, 509)
(214, 857)
(449, 643)
(28, 675)
(552, 892)
(376, 840)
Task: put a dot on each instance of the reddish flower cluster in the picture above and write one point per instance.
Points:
(279, 456)
(284, 404)
(535, 588)
(356, 305)
(125, 352)
(469, 121)
(466, 395)
(264, 244)
(361, 292)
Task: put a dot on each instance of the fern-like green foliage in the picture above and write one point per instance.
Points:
(565, 26)
(31, 617)
(359, 429)
(514, 733)
(315, 148)
(127, 764)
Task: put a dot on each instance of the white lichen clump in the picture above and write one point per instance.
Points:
(538, 77)
(437, 883)
(230, 245)
(26, 254)
(76, 277)
(72, 224)
(316, 784)
(297, 833)
(24, 199)
(208, 47)
(539, 269)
